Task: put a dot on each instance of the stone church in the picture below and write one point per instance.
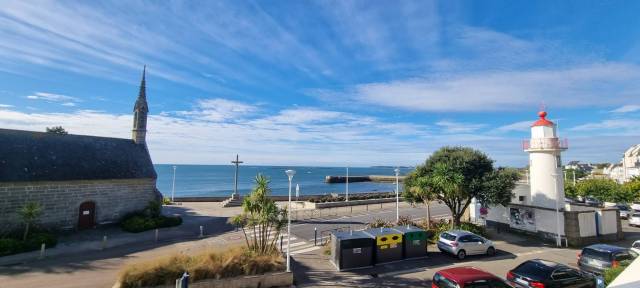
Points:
(79, 181)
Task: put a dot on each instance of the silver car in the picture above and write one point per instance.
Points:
(462, 243)
(634, 219)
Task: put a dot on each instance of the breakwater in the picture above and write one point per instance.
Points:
(366, 178)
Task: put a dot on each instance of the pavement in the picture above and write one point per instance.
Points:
(79, 261)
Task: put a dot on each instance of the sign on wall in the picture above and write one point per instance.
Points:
(522, 218)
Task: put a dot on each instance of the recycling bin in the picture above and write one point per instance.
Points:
(351, 250)
(388, 244)
(414, 242)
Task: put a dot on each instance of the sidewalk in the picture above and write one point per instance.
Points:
(207, 214)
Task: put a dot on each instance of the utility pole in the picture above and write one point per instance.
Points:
(347, 187)
(173, 186)
(235, 188)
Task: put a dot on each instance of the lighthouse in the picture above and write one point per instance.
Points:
(545, 164)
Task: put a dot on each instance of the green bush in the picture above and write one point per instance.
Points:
(166, 201)
(610, 274)
(13, 245)
(473, 228)
(139, 222)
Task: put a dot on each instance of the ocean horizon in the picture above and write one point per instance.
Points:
(196, 180)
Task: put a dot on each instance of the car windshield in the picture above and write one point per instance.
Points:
(533, 270)
(596, 254)
(448, 236)
(636, 215)
(623, 208)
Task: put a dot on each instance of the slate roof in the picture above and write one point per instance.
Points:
(40, 156)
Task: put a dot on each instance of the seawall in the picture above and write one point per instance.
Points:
(366, 178)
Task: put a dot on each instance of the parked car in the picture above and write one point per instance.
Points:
(547, 274)
(592, 201)
(635, 247)
(634, 219)
(462, 243)
(598, 257)
(624, 210)
(466, 277)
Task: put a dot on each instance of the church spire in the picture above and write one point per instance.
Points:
(140, 111)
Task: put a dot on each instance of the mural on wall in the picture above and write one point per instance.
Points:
(522, 218)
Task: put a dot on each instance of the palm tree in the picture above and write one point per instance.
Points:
(263, 216)
(29, 213)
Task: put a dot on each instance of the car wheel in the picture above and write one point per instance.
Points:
(462, 254)
(491, 251)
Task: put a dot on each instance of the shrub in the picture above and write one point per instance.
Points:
(404, 221)
(209, 265)
(14, 244)
(610, 274)
(166, 201)
(137, 222)
(377, 223)
(436, 228)
(473, 228)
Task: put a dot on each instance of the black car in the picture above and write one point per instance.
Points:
(598, 257)
(547, 274)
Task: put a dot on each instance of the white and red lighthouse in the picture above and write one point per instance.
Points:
(545, 163)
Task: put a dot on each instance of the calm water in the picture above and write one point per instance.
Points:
(217, 180)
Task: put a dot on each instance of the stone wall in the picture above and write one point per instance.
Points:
(61, 200)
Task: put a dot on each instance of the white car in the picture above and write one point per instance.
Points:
(635, 247)
(462, 243)
(634, 219)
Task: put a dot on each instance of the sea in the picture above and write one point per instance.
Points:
(218, 180)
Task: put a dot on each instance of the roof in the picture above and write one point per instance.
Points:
(466, 274)
(542, 121)
(605, 247)
(40, 156)
(459, 232)
(408, 229)
(352, 235)
(381, 231)
(141, 102)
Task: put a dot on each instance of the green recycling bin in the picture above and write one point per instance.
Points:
(414, 244)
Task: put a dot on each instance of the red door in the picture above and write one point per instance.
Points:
(87, 217)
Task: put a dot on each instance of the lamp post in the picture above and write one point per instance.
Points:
(397, 194)
(347, 187)
(173, 186)
(290, 174)
(555, 180)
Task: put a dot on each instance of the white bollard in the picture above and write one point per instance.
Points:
(156, 235)
(42, 251)
(104, 242)
(201, 232)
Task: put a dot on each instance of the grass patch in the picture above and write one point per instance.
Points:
(138, 222)
(13, 244)
(208, 265)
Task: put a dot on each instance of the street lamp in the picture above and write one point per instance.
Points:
(173, 186)
(347, 187)
(290, 174)
(397, 194)
(555, 181)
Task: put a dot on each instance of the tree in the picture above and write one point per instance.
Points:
(57, 130)
(568, 173)
(632, 189)
(601, 189)
(455, 175)
(29, 213)
(262, 216)
(570, 190)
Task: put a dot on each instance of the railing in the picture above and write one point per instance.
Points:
(544, 144)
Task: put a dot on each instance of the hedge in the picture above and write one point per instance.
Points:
(13, 245)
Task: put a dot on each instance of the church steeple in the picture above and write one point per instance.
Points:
(140, 111)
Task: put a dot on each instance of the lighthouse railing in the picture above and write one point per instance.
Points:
(545, 143)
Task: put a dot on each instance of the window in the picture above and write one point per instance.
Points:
(476, 239)
(636, 245)
(466, 239)
(624, 256)
(448, 236)
(443, 282)
(563, 273)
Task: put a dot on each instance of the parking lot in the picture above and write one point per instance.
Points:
(314, 269)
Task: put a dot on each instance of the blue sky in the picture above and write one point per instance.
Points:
(326, 82)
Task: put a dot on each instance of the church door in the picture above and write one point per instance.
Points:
(87, 217)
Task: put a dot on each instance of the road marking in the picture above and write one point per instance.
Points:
(313, 248)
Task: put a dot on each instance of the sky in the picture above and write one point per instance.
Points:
(327, 83)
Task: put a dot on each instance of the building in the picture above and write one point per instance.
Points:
(539, 207)
(80, 181)
(628, 167)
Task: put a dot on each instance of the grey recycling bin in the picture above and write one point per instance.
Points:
(388, 244)
(351, 250)
(414, 244)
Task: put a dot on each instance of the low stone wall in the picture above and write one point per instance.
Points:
(312, 205)
(280, 279)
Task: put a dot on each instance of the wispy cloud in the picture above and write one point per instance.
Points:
(5, 106)
(626, 109)
(516, 126)
(458, 127)
(610, 126)
(219, 110)
(495, 91)
(65, 100)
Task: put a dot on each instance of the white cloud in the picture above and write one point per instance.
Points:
(517, 126)
(5, 106)
(610, 126)
(626, 109)
(459, 127)
(506, 90)
(219, 109)
(51, 97)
